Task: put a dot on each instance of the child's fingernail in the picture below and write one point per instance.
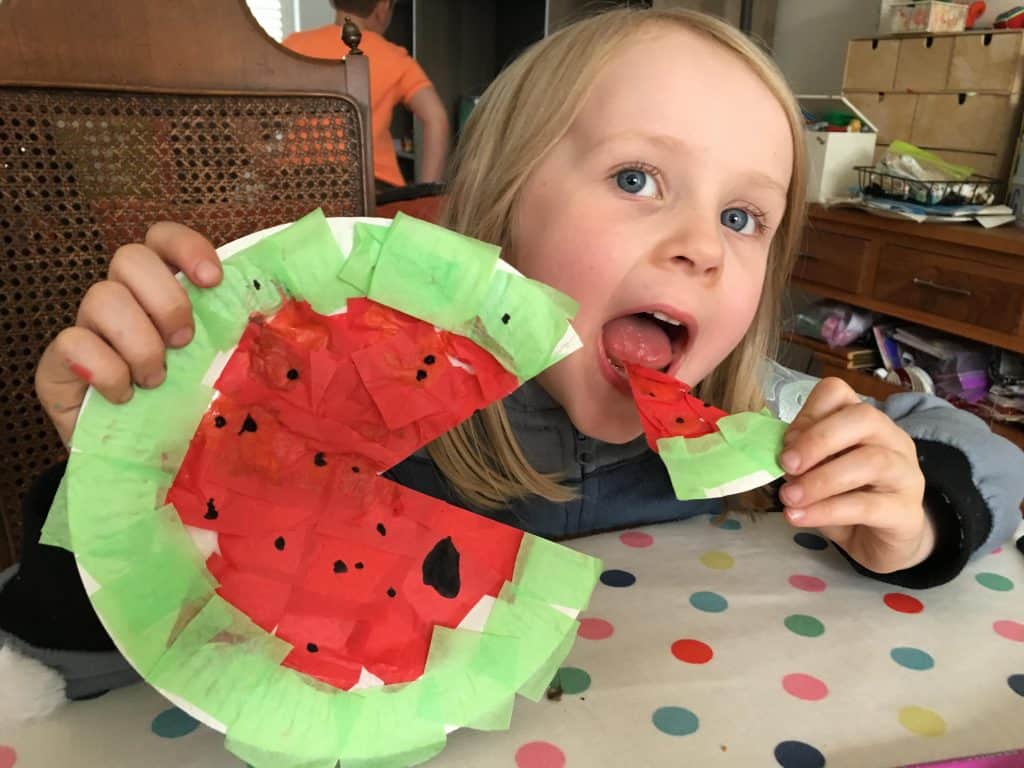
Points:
(181, 337)
(792, 493)
(790, 461)
(796, 515)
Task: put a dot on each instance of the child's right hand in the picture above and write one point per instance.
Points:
(125, 323)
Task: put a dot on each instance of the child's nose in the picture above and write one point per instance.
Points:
(697, 246)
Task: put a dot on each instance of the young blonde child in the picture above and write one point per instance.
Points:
(650, 165)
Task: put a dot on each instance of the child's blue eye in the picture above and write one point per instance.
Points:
(636, 182)
(739, 220)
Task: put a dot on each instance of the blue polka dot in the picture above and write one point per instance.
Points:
(675, 721)
(617, 578)
(1016, 683)
(711, 602)
(730, 525)
(912, 658)
(173, 724)
(809, 541)
(796, 754)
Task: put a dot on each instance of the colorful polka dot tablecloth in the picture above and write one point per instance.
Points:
(732, 642)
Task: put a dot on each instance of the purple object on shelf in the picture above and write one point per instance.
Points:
(1013, 759)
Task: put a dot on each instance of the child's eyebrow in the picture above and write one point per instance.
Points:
(661, 140)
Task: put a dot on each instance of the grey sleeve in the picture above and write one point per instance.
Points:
(974, 478)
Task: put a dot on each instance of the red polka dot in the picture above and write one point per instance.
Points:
(997, 550)
(903, 603)
(8, 757)
(539, 754)
(637, 539)
(807, 583)
(805, 687)
(595, 629)
(692, 651)
(1011, 630)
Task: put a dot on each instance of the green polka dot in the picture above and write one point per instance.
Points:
(572, 680)
(710, 602)
(675, 721)
(994, 581)
(805, 626)
(912, 658)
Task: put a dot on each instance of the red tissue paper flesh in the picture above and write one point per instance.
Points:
(667, 409)
(350, 568)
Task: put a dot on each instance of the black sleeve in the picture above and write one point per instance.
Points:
(45, 604)
(961, 518)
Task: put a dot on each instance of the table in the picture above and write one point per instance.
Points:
(730, 642)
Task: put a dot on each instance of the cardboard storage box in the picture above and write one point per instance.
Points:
(891, 113)
(831, 157)
(923, 63)
(987, 61)
(968, 122)
(870, 65)
(924, 16)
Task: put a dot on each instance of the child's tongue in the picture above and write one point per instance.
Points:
(637, 340)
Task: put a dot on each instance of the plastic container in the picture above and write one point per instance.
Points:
(929, 16)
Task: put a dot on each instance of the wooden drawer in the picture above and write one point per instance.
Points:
(950, 289)
(828, 258)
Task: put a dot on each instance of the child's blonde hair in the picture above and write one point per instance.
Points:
(520, 117)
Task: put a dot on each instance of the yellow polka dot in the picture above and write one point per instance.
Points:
(923, 722)
(717, 560)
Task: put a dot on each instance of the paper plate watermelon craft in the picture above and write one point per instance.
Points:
(239, 542)
(708, 453)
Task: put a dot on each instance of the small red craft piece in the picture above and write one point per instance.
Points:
(352, 569)
(667, 409)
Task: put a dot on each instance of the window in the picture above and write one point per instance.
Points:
(270, 15)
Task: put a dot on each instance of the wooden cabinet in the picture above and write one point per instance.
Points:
(957, 278)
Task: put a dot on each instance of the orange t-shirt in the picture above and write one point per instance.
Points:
(394, 78)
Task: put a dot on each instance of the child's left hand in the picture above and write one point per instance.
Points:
(853, 474)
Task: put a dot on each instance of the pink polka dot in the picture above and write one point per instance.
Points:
(595, 629)
(1011, 630)
(539, 754)
(997, 550)
(637, 539)
(805, 687)
(8, 757)
(807, 583)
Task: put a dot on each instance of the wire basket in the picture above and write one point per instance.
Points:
(977, 190)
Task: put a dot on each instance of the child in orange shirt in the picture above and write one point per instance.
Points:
(395, 78)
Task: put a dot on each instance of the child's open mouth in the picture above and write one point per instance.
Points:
(655, 337)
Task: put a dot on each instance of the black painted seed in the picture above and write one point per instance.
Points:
(320, 460)
(292, 374)
(219, 422)
(381, 529)
(505, 318)
(256, 284)
(249, 425)
(680, 420)
(355, 470)
(279, 543)
(340, 567)
(421, 375)
(359, 566)
(211, 511)
(312, 647)
(391, 592)
(429, 359)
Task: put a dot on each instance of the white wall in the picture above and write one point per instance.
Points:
(811, 36)
(312, 13)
